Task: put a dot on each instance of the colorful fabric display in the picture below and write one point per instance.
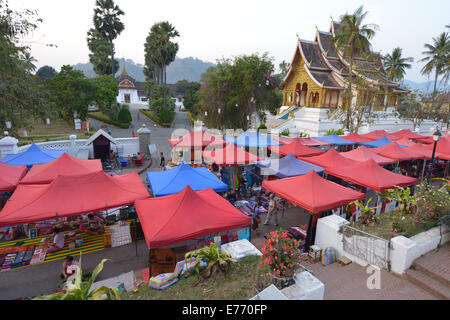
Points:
(27, 258)
(163, 281)
(224, 239)
(19, 258)
(187, 267)
(328, 256)
(243, 234)
(234, 236)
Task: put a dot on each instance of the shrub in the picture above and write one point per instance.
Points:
(217, 259)
(431, 203)
(124, 114)
(166, 116)
(262, 127)
(285, 132)
(339, 132)
(303, 134)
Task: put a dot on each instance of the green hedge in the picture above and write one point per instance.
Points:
(101, 117)
(191, 117)
(154, 118)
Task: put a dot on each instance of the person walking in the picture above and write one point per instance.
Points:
(162, 164)
(273, 210)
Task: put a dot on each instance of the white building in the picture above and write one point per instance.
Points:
(130, 90)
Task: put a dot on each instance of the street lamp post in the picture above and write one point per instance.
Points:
(436, 137)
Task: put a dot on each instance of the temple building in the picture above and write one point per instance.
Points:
(317, 79)
(130, 90)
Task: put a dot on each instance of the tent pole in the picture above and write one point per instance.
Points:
(136, 235)
(309, 234)
(150, 263)
(423, 168)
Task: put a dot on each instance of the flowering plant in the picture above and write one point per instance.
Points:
(431, 202)
(280, 254)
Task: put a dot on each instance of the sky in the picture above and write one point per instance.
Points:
(211, 30)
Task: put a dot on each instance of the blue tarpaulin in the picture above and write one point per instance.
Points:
(33, 155)
(335, 139)
(164, 183)
(378, 143)
(288, 166)
(253, 139)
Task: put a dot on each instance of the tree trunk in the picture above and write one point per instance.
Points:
(350, 90)
(112, 58)
(165, 84)
(434, 90)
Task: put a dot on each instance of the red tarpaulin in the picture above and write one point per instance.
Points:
(10, 176)
(197, 139)
(71, 195)
(231, 155)
(370, 175)
(378, 134)
(406, 133)
(394, 151)
(187, 215)
(405, 142)
(443, 146)
(363, 154)
(424, 151)
(426, 140)
(65, 165)
(311, 142)
(312, 192)
(330, 158)
(297, 149)
(354, 137)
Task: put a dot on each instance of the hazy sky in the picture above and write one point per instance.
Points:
(212, 29)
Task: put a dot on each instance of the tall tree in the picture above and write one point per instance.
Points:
(45, 73)
(107, 22)
(100, 53)
(352, 37)
(160, 51)
(436, 58)
(395, 64)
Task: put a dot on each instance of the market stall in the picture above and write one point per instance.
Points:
(251, 139)
(363, 154)
(355, 137)
(10, 176)
(163, 183)
(297, 149)
(33, 155)
(405, 142)
(331, 158)
(288, 166)
(336, 140)
(314, 194)
(377, 143)
(230, 156)
(188, 220)
(396, 152)
(311, 142)
(378, 134)
(65, 165)
(406, 133)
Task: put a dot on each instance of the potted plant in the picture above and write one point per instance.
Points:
(280, 258)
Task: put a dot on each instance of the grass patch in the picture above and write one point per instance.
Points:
(38, 127)
(383, 228)
(238, 284)
(104, 118)
(149, 114)
(35, 139)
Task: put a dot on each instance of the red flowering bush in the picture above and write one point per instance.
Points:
(280, 254)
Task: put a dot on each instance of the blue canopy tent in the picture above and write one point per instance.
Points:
(33, 155)
(288, 166)
(164, 183)
(335, 140)
(253, 139)
(378, 143)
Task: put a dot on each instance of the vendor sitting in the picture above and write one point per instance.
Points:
(95, 225)
(58, 240)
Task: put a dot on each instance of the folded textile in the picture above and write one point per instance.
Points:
(163, 281)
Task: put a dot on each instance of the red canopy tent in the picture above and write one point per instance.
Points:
(71, 195)
(394, 151)
(443, 146)
(406, 133)
(197, 139)
(65, 165)
(363, 154)
(231, 155)
(424, 151)
(405, 142)
(187, 215)
(297, 149)
(425, 140)
(370, 175)
(378, 134)
(10, 176)
(312, 192)
(311, 142)
(355, 137)
(330, 158)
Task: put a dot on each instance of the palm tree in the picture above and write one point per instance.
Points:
(352, 37)
(436, 58)
(395, 64)
(107, 22)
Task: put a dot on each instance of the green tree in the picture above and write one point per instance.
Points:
(191, 97)
(124, 114)
(106, 92)
(166, 114)
(352, 37)
(72, 92)
(160, 51)
(46, 73)
(22, 95)
(107, 23)
(283, 66)
(100, 53)
(181, 87)
(436, 58)
(395, 64)
(235, 89)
